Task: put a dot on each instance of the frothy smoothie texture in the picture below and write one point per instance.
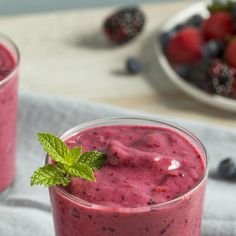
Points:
(146, 169)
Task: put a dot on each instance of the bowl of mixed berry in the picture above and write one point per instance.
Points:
(197, 50)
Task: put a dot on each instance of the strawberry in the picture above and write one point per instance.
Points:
(230, 54)
(185, 47)
(218, 26)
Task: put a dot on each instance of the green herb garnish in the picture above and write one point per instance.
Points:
(219, 6)
(68, 163)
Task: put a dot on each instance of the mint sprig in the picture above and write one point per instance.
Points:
(219, 6)
(69, 163)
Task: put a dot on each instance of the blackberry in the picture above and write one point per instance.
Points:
(124, 25)
(221, 78)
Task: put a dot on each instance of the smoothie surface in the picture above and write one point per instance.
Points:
(145, 165)
(7, 62)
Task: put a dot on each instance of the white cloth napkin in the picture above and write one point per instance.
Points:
(25, 211)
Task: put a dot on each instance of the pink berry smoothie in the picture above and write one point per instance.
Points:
(8, 110)
(152, 184)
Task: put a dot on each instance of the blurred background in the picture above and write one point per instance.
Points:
(65, 53)
(28, 6)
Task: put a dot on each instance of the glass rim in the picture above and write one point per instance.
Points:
(157, 206)
(17, 58)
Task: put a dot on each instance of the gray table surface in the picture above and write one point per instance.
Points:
(12, 7)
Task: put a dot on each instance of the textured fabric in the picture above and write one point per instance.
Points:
(25, 211)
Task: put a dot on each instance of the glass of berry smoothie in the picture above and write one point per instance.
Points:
(152, 183)
(9, 64)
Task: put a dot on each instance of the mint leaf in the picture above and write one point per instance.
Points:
(54, 146)
(74, 155)
(220, 6)
(80, 170)
(93, 159)
(68, 163)
(49, 175)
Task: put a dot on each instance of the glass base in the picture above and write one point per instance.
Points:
(6, 192)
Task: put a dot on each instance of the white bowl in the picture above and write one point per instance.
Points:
(213, 100)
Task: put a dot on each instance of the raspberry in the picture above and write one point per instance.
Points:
(185, 47)
(218, 26)
(124, 25)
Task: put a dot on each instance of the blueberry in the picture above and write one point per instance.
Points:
(212, 48)
(178, 27)
(227, 168)
(183, 70)
(234, 10)
(195, 20)
(133, 66)
(199, 75)
(165, 38)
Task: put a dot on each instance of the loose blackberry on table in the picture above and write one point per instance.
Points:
(124, 25)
